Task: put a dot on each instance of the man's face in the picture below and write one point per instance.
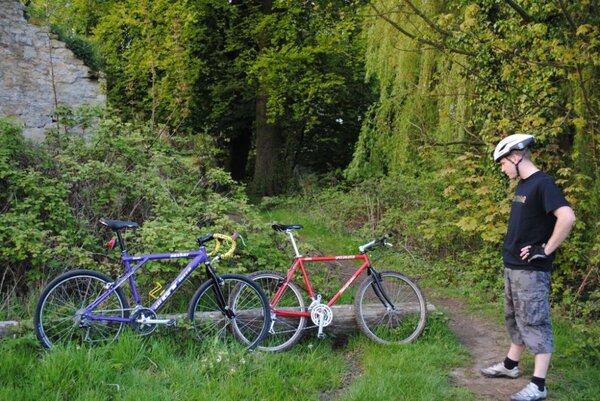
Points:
(508, 167)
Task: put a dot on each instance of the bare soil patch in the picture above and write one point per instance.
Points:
(487, 343)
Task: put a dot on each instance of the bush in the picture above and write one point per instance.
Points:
(53, 194)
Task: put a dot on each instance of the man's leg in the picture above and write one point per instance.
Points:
(515, 351)
(532, 289)
(542, 363)
(508, 368)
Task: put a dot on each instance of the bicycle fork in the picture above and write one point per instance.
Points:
(218, 293)
(379, 291)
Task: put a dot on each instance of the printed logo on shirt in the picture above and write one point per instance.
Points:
(520, 198)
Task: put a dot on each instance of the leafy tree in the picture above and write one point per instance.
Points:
(150, 61)
(278, 85)
(311, 94)
(456, 77)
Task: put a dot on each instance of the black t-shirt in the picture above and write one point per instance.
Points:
(532, 220)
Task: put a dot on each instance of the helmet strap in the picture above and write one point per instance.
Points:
(516, 164)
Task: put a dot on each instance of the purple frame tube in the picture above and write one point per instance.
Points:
(198, 257)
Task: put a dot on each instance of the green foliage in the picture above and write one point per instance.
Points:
(53, 195)
(454, 78)
(312, 72)
(80, 46)
(149, 58)
(36, 222)
(204, 66)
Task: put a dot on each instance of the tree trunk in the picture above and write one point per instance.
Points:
(268, 139)
(268, 149)
(239, 149)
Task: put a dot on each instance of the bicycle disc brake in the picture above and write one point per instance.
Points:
(322, 316)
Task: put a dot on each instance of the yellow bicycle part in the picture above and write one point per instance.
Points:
(154, 293)
(218, 239)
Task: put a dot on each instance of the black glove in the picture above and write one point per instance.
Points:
(537, 252)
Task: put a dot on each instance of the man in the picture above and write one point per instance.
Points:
(540, 220)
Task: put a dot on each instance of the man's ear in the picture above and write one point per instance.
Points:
(514, 157)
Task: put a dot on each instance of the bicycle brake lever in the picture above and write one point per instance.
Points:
(388, 244)
(241, 238)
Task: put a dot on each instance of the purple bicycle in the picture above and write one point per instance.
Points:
(86, 306)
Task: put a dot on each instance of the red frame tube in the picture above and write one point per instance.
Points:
(299, 263)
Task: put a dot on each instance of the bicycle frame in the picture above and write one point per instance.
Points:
(197, 257)
(389, 307)
(299, 264)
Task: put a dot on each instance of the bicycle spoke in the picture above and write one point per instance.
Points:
(248, 307)
(403, 323)
(58, 317)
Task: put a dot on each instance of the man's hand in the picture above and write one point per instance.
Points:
(533, 252)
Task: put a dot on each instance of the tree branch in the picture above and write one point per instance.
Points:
(567, 15)
(437, 45)
(432, 24)
(519, 10)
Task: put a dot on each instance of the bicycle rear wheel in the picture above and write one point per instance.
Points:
(58, 317)
(286, 331)
(401, 323)
(247, 302)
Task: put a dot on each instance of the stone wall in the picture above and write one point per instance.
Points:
(37, 73)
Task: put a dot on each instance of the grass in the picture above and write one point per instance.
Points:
(162, 367)
(315, 232)
(398, 372)
(176, 367)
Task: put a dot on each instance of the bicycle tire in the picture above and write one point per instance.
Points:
(244, 298)
(401, 325)
(287, 331)
(57, 320)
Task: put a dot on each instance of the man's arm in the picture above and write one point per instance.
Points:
(565, 218)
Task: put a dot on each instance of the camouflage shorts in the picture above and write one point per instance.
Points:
(527, 309)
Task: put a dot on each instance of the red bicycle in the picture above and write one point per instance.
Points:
(389, 307)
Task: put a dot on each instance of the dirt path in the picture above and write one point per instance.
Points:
(487, 343)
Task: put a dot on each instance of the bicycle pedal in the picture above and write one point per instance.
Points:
(172, 323)
(321, 335)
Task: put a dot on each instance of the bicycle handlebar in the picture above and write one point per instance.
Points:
(376, 242)
(222, 237)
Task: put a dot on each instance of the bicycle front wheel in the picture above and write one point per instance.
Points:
(400, 322)
(58, 315)
(285, 330)
(235, 304)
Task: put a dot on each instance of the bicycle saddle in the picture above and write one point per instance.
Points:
(118, 224)
(284, 227)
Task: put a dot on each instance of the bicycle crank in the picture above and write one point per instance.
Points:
(322, 316)
(144, 321)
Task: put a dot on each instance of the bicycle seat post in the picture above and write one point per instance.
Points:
(121, 242)
(291, 234)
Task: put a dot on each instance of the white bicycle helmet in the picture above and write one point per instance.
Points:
(510, 143)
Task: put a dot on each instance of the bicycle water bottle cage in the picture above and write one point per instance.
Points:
(285, 227)
(117, 225)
